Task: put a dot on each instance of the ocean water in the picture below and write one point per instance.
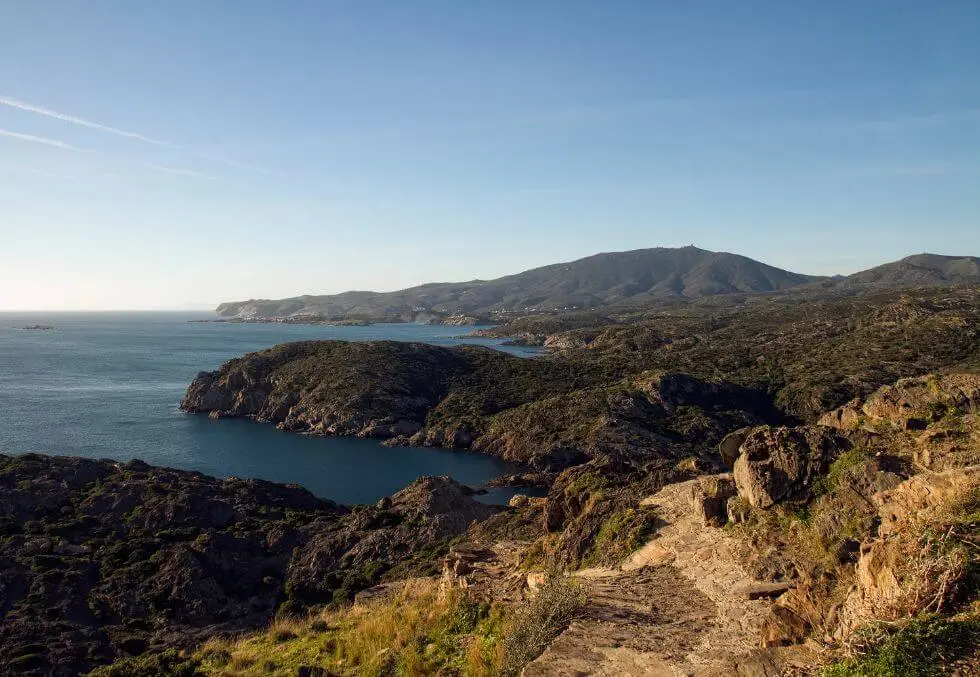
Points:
(107, 385)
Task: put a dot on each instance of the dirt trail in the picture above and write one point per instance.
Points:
(678, 606)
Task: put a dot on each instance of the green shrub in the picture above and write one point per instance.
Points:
(919, 648)
(838, 470)
(620, 535)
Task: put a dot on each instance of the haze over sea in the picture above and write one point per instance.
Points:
(107, 385)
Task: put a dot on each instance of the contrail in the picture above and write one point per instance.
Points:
(54, 143)
(31, 108)
(82, 122)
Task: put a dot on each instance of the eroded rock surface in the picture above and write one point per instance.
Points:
(775, 464)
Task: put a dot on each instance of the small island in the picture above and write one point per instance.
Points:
(38, 327)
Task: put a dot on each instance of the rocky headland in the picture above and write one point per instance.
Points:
(549, 414)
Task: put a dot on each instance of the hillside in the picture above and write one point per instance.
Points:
(100, 560)
(920, 270)
(636, 277)
(616, 281)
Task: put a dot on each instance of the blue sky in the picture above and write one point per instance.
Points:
(164, 154)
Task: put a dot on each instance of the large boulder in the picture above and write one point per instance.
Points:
(777, 464)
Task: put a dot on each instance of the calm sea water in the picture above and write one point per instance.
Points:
(107, 385)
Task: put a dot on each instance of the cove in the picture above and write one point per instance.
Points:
(107, 385)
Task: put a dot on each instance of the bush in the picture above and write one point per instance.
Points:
(539, 621)
(918, 648)
(838, 471)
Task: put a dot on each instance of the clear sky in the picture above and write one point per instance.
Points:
(176, 153)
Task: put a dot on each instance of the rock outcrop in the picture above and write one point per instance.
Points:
(894, 576)
(776, 464)
(378, 389)
(710, 496)
(909, 404)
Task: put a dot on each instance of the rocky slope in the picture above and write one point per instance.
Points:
(100, 560)
(859, 523)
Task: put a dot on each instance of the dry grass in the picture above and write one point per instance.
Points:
(418, 629)
(540, 620)
(943, 557)
(936, 570)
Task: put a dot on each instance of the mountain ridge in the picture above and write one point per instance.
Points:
(633, 278)
(603, 279)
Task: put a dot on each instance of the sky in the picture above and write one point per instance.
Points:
(177, 154)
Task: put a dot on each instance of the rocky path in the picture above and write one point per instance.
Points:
(678, 606)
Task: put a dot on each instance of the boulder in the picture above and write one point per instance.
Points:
(779, 464)
(730, 447)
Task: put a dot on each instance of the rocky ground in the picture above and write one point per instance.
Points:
(752, 572)
(682, 603)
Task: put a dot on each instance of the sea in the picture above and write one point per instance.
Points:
(107, 385)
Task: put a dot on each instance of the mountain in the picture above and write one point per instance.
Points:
(635, 277)
(920, 270)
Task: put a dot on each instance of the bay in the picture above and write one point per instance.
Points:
(107, 385)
